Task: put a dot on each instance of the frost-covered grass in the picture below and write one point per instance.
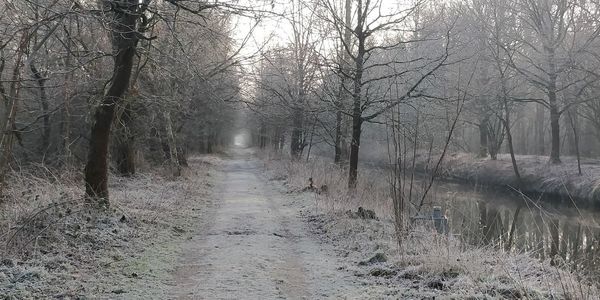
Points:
(426, 264)
(538, 175)
(372, 186)
(53, 244)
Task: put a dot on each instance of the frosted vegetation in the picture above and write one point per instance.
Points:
(417, 148)
(472, 261)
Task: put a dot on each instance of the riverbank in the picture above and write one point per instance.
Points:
(557, 182)
(426, 265)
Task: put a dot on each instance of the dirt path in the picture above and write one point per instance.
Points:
(257, 246)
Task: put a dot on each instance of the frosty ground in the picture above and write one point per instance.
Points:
(238, 227)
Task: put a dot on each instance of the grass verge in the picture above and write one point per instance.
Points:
(54, 245)
(427, 264)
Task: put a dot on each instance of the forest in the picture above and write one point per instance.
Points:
(138, 136)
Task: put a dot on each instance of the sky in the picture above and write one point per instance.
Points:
(277, 30)
(272, 30)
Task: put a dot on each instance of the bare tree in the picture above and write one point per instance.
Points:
(371, 21)
(546, 50)
(124, 24)
(288, 77)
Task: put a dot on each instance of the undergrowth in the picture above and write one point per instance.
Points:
(425, 261)
(54, 243)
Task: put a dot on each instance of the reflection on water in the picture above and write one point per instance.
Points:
(559, 232)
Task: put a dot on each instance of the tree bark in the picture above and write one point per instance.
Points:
(297, 141)
(124, 151)
(281, 139)
(540, 143)
(182, 156)
(554, 110)
(310, 141)
(11, 103)
(555, 132)
(124, 42)
(357, 100)
(262, 136)
(46, 129)
(509, 138)
(66, 125)
(573, 121)
(483, 138)
(340, 143)
(125, 157)
(338, 128)
(355, 145)
(172, 142)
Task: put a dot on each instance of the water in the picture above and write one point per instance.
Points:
(562, 233)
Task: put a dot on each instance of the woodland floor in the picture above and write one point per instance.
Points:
(230, 230)
(223, 231)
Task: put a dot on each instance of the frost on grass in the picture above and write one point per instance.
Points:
(429, 264)
(425, 264)
(58, 246)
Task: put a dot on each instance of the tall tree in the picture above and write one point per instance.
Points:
(303, 49)
(545, 50)
(124, 25)
(344, 61)
(372, 21)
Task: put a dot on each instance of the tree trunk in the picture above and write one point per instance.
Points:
(506, 124)
(66, 125)
(172, 143)
(511, 149)
(341, 147)
(262, 136)
(124, 151)
(554, 110)
(513, 159)
(125, 156)
(297, 142)
(338, 129)
(11, 102)
(540, 148)
(555, 132)
(345, 142)
(357, 100)
(96, 169)
(276, 138)
(310, 142)
(483, 138)
(182, 156)
(573, 121)
(281, 139)
(209, 145)
(124, 41)
(354, 148)
(41, 82)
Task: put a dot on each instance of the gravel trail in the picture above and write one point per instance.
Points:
(257, 246)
